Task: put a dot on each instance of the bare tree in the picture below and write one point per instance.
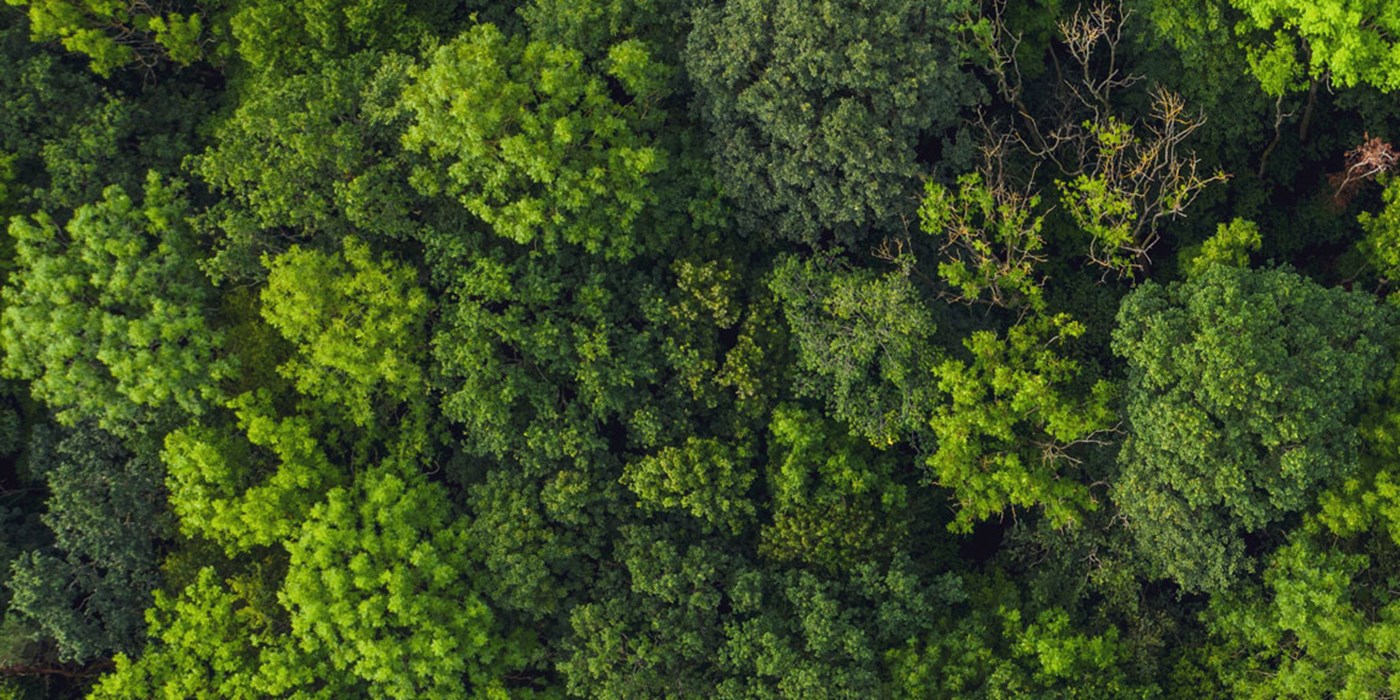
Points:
(1120, 180)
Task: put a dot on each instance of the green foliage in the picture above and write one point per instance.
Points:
(655, 633)
(378, 584)
(814, 110)
(993, 241)
(705, 477)
(1314, 630)
(1014, 421)
(555, 348)
(119, 284)
(863, 342)
(250, 484)
(1001, 651)
(528, 138)
(358, 333)
(592, 26)
(314, 153)
(1230, 245)
(803, 643)
(117, 33)
(279, 38)
(89, 590)
(8, 193)
(1323, 622)
(1349, 41)
(835, 501)
(221, 638)
(1241, 393)
(1382, 242)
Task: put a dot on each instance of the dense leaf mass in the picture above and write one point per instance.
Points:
(954, 349)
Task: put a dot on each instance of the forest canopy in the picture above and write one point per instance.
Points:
(964, 349)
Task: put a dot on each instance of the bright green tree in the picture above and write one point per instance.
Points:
(250, 483)
(705, 477)
(380, 583)
(226, 639)
(105, 315)
(1348, 41)
(120, 33)
(281, 39)
(1016, 422)
(527, 136)
(358, 333)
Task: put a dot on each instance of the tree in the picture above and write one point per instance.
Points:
(1242, 388)
(309, 157)
(122, 33)
(864, 343)
(528, 138)
(119, 284)
(222, 638)
(593, 26)
(1231, 245)
(1001, 647)
(379, 583)
(813, 126)
(1346, 41)
(1321, 619)
(1381, 244)
(281, 39)
(655, 627)
(1015, 421)
(108, 520)
(249, 484)
(705, 477)
(358, 334)
(835, 500)
(990, 238)
(1119, 179)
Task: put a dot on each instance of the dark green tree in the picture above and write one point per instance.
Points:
(814, 111)
(1242, 392)
(88, 591)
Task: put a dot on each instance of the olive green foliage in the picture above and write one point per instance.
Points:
(814, 110)
(120, 284)
(313, 153)
(1001, 651)
(863, 343)
(705, 477)
(278, 38)
(835, 500)
(1242, 391)
(1321, 621)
